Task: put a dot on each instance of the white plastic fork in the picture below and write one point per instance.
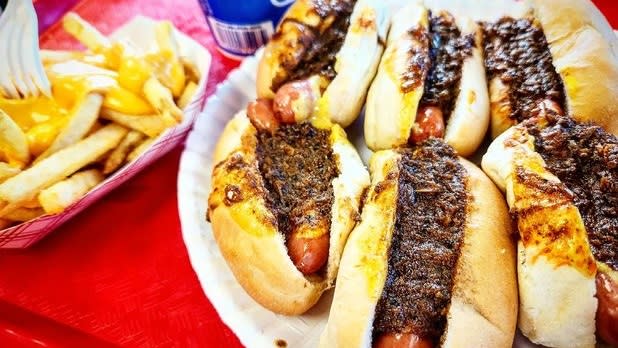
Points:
(21, 71)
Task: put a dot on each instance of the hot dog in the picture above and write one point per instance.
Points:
(560, 56)
(430, 83)
(322, 58)
(431, 261)
(560, 181)
(284, 197)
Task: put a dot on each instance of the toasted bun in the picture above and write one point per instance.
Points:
(246, 231)
(556, 268)
(286, 44)
(500, 107)
(357, 60)
(483, 311)
(390, 112)
(483, 308)
(468, 122)
(583, 52)
(365, 260)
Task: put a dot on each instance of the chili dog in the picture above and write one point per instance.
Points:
(431, 261)
(559, 57)
(322, 59)
(560, 180)
(430, 83)
(284, 198)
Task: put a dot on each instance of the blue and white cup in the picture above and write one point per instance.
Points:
(241, 27)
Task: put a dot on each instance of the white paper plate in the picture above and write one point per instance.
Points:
(254, 325)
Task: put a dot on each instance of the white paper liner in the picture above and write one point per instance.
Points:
(140, 32)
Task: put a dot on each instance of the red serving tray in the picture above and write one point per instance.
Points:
(118, 274)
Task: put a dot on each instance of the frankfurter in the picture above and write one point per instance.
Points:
(284, 198)
(431, 261)
(560, 179)
(562, 56)
(430, 83)
(322, 59)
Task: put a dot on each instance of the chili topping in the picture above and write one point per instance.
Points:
(298, 167)
(426, 242)
(321, 45)
(516, 51)
(447, 51)
(585, 158)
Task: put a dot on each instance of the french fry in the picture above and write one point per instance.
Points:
(88, 35)
(49, 57)
(192, 73)
(24, 214)
(151, 125)
(119, 154)
(7, 171)
(141, 148)
(85, 33)
(13, 141)
(122, 100)
(31, 204)
(84, 117)
(75, 68)
(25, 185)
(59, 196)
(95, 127)
(174, 72)
(187, 95)
(161, 98)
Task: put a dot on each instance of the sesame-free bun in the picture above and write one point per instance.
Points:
(356, 61)
(483, 309)
(556, 270)
(391, 111)
(246, 230)
(585, 55)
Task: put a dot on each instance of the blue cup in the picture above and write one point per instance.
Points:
(241, 27)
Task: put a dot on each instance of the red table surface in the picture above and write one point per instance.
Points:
(119, 274)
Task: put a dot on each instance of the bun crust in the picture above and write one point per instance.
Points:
(483, 311)
(484, 304)
(356, 62)
(246, 231)
(556, 269)
(365, 260)
(390, 112)
(469, 120)
(583, 52)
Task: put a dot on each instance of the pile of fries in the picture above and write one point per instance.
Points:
(108, 105)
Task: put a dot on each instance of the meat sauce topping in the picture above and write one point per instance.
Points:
(516, 51)
(585, 158)
(429, 229)
(322, 44)
(447, 51)
(298, 166)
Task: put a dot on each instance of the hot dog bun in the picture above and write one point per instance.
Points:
(556, 268)
(585, 55)
(483, 307)
(356, 61)
(246, 230)
(390, 111)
